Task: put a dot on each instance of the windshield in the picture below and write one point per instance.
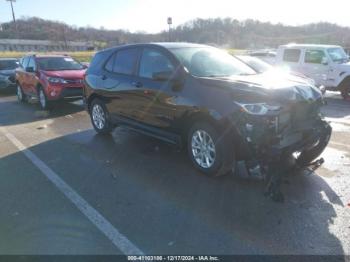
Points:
(257, 64)
(210, 62)
(58, 64)
(8, 64)
(338, 55)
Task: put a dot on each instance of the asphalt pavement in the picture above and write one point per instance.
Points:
(66, 190)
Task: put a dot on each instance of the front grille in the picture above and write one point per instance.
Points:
(304, 112)
(74, 81)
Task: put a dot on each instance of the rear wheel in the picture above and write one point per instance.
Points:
(209, 153)
(20, 95)
(100, 117)
(345, 94)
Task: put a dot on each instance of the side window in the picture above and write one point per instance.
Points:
(32, 63)
(123, 62)
(315, 56)
(153, 61)
(291, 55)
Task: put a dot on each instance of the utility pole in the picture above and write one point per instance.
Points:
(13, 15)
(170, 22)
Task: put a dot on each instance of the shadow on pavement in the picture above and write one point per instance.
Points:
(336, 108)
(13, 113)
(151, 193)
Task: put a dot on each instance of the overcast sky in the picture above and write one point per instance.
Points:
(151, 15)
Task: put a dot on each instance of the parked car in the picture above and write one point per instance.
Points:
(268, 56)
(7, 73)
(328, 65)
(207, 101)
(49, 78)
(262, 67)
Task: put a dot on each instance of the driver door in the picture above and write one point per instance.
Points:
(316, 66)
(31, 77)
(157, 108)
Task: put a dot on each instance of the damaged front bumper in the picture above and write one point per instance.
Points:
(276, 137)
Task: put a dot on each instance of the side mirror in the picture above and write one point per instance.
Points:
(30, 69)
(162, 76)
(324, 61)
(176, 79)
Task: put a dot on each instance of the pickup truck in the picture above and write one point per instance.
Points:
(328, 65)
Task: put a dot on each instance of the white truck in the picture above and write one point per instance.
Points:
(328, 65)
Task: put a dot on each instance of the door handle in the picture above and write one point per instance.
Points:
(137, 84)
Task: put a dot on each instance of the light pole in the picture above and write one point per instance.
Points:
(13, 14)
(170, 22)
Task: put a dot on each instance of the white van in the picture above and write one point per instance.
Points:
(328, 65)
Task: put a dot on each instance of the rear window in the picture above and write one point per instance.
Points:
(123, 62)
(98, 62)
(291, 55)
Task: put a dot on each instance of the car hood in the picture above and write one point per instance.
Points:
(69, 74)
(7, 72)
(267, 86)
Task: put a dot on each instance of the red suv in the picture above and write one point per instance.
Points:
(49, 78)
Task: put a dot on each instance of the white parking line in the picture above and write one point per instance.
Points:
(118, 239)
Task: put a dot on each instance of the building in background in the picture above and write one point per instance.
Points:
(43, 46)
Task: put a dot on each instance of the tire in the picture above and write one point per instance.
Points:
(345, 94)
(20, 94)
(213, 157)
(309, 155)
(44, 103)
(100, 117)
(344, 88)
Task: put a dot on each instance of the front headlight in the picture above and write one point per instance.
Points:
(258, 108)
(56, 80)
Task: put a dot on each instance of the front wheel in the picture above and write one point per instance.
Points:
(307, 156)
(344, 88)
(20, 95)
(100, 117)
(209, 152)
(43, 101)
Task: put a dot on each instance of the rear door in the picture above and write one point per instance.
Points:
(119, 83)
(316, 65)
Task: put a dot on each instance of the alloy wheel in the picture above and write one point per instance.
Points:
(19, 93)
(203, 149)
(98, 116)
(42, 98)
